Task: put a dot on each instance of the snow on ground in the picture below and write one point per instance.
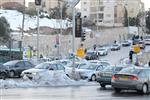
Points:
(52, 79)
(15, 20)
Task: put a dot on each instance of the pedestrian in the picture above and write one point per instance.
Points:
(149, 63)
(131, 56)
(41, 56)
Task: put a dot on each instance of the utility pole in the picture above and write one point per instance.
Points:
(38, 10)
(97, 6)
(23, 18)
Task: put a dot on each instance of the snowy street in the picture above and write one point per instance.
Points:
(66, 89)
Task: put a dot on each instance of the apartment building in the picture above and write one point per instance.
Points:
(110, 12)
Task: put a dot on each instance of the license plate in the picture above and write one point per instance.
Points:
(124, 78)
(107, 74)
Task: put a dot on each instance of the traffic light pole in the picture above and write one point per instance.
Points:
(73, 38)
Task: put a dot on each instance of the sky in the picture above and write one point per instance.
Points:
(146, 2)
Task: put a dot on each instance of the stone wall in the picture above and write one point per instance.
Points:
(48, 42)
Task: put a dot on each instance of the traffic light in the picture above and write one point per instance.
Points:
(78, 25)
(83, 35)
(37, 2)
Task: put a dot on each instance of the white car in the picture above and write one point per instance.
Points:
(115, 47)
(147, 40)
(89, 71)
(39, 70)
(102, 51)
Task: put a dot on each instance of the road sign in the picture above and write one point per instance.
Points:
(80, 53)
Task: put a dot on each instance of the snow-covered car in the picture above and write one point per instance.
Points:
(126, 43)
(69, 68)
(39, 70)
(102, 51)
(115, 47)
(89, 71)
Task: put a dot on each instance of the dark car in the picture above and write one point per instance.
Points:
(15, 67)
(133, 78)
(3, 71)
(106, 75)
(91, 55)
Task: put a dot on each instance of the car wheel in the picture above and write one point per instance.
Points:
(117, 90)
(3, 75)
(102, 85)
(11, 73)
(144, 89)
(93, 78)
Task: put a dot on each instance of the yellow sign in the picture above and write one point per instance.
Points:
(80, 53)
(136, 48)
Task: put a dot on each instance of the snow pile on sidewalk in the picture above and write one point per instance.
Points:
(14, 18)
(51, 79)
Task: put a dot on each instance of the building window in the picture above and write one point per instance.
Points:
(85, 16)
(101, 16)
(100, 20)
(85, 9)
(84, 3)
(101, 8)
(108, 15)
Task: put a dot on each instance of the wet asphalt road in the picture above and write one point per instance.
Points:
(89, 92)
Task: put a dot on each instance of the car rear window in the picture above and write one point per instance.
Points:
(130, 70)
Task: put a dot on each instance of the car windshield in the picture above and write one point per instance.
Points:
(130, 70)
(10, 63)
(42, 66)
(90, 53)
(115, 45)
(108, 69)
(101, 49)
(89, 67)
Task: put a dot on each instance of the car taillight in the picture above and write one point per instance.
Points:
(133, 78)
(114, 77)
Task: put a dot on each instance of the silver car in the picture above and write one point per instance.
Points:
(133, 78)
(89, 71)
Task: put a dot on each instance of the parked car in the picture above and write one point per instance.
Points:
(126, 43)
(3, 72)
(147, 40)
(89, 71)
(106, 75)
(69, 68)
(41, 69)
(15, 67)
(142, 44)
(102, 51)
(133, 78)
(115, 47)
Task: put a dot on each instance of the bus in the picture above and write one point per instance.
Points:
(10, 54)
